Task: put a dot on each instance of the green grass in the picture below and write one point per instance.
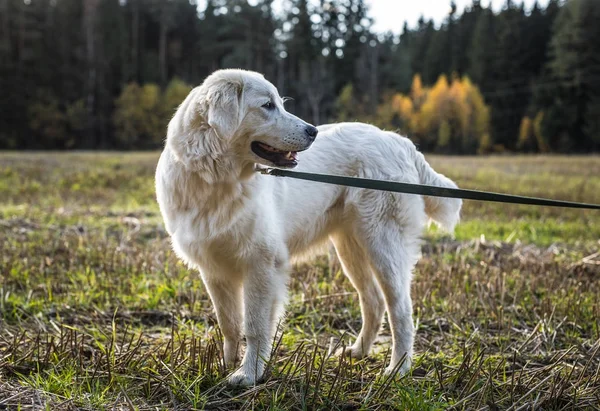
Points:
(98, 313)
(557, 177)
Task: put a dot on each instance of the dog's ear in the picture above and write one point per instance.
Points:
(224, 109)
(201, 129)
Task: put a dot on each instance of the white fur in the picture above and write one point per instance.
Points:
(240, 229)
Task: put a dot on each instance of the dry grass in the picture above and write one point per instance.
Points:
(97, 313)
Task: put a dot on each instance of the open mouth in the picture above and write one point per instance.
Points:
(278, 157)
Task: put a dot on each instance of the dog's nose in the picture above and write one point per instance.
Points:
(311, 132)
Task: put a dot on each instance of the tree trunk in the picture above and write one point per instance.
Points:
(89, 21)
(374, 71)
(315, 106)
(135, 40)
(162, 45)
(5, 32)
(21, 39)
(280, 74)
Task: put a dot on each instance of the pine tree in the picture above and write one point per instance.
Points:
(89, 22)
(64, 63)
(511, 84)
(438, 58)
(302, 49)
(421, 40)
(481, 54)
(394, 70)
(575, 66)
(183, 54)
(464, 36)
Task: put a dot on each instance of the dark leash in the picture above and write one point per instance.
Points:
(422, 189)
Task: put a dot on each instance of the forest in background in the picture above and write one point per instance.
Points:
(108, 74)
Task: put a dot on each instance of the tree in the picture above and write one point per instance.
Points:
(137, 118)
(463, 37)
(511, 84)
(420, 42)
(481, 48)
(90, 8)
(395, 69)
(525, 142)
(575, 69)
(346, 105)
(448, 117)
(303, 50)
(174, 94)
(143, 112)
(439, 55)
(67, 65)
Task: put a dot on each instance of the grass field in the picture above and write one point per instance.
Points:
(98, 313)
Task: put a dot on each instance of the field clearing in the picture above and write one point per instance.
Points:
(96, 312)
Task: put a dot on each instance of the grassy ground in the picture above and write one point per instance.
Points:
(97, 312)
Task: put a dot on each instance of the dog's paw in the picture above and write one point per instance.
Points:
(242, 378)
(355, 351)
(395, 370)
(230, 353)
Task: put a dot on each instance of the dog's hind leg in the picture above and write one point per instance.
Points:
(226, 295)
(356, 267)
(392, 253)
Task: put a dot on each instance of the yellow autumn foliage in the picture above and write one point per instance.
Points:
(450, 116)
(537, 132)
(525, 133)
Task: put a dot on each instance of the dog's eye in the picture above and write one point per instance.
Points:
(269, 105)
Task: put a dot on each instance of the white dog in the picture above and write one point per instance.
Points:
(240, 228)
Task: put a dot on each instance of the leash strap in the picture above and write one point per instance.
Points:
(421, 189)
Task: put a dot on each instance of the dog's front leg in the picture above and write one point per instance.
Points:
(264, 296)
(226, 295)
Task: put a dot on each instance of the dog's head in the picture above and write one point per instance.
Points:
(236, 118)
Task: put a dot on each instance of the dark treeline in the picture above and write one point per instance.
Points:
(108, 73)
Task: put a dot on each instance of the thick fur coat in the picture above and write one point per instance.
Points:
(241, 229)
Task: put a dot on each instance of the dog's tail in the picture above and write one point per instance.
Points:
(444, 211)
